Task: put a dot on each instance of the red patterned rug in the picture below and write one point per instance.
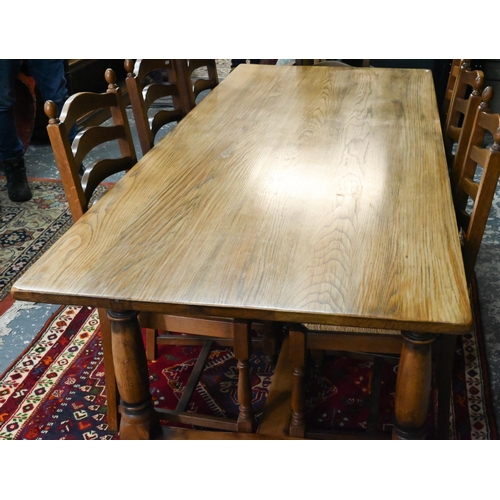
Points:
(55, 390)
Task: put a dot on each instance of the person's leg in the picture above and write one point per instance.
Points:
(50, 78)
(10, 144)
(11, 147)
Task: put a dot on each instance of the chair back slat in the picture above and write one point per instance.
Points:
(103, 169)
(154, 91)
(83, 103)
(485, 120)
(461, 106)
(454, 132)
(162, 117)
(478, 155)
(471, 188)
(92, 137)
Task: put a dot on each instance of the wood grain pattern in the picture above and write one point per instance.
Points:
(302, 194)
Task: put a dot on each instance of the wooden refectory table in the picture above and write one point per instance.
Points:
(292, 194)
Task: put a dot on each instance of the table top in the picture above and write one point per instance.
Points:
(304, 194)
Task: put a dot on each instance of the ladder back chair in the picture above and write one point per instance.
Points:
(154, 104)
(81, 182)
(478, 181)
(466, 95)
(187, 70)
(69, 158)
(456, 64)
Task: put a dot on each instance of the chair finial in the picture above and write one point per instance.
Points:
(478, 84)
(50, 109)
(110, 77)
(486, 97)
(129, 66)
(466, 64)
(496, 138)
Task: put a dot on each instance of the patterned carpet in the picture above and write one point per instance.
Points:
(26, 231)
(56, 389)
(29, 229)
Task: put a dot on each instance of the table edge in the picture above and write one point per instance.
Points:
(248, 313)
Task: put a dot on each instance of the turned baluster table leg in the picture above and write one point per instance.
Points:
(109, 372)
(298, 362)
(246, 422)
(413, 386)
(138, 420)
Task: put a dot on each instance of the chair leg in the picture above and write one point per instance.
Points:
(444, 378)
(109, 371)
(151, 346)
(413, 386)
(246, 421)
(298, 361)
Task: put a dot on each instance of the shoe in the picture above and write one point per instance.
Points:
(17, 183)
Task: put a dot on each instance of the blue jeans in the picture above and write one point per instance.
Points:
(49, 76)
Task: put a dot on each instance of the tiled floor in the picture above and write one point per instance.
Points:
(17, 330)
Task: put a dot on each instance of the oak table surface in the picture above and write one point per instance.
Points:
(304, 194)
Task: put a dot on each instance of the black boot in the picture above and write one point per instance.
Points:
(17, 182)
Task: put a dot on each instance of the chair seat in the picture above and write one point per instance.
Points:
(349, 329)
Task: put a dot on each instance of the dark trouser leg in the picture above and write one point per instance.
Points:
(50, 78)
(413, 386)
(11, 147)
